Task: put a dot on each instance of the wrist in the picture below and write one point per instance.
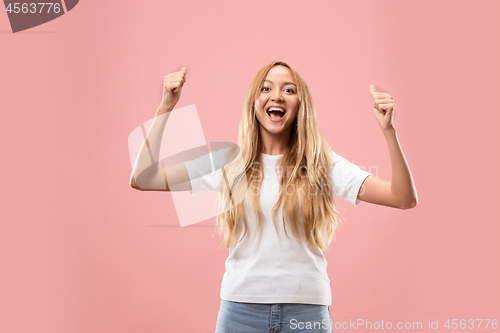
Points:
(389, 130)
(162, 109)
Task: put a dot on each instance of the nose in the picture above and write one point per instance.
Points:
(277, 96)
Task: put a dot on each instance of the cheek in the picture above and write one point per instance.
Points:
(259, 113)
(295, 112)
(258, 104)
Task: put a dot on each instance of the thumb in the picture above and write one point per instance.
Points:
(372, 88)
(183, 69)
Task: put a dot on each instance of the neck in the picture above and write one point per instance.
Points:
(275, 143)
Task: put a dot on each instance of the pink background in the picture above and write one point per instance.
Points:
(81, 251)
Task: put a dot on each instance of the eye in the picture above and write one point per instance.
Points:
(262, 89)
(290, 89)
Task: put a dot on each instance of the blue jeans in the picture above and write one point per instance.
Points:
(237, 317)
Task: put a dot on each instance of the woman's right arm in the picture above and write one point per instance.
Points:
(146, 175)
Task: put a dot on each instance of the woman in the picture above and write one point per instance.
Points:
(281, 177)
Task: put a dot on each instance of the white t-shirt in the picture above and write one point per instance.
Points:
(268, 270)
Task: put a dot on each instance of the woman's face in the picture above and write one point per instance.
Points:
(279, 91)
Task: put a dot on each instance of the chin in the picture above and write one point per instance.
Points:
(275, 129)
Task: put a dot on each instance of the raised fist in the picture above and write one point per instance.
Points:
(172, 86)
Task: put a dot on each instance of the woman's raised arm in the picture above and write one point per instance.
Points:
(400, 192)
(146, 175)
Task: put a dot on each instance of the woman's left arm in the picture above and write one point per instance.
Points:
(400, 192)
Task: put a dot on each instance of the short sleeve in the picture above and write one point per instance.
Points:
(205, 172)
(346, 179)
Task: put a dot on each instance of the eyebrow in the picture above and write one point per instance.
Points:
(284, 83)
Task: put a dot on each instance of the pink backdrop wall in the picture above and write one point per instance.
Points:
(81, 251)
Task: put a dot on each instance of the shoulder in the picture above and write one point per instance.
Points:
(339, 160)
(343, 168)
(223, 156)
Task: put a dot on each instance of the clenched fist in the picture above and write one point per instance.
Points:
(172, 86)
(383, 106)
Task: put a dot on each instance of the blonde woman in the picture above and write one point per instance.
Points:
(277, 211)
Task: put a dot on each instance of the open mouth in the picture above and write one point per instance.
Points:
(275, 113)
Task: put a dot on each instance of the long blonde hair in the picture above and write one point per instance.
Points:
(309, 150)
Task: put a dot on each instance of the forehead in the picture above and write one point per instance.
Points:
(280, 73)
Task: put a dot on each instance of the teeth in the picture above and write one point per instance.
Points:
(276, 109)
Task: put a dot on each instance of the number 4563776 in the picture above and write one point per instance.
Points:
(32, 7)
(471, 323)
